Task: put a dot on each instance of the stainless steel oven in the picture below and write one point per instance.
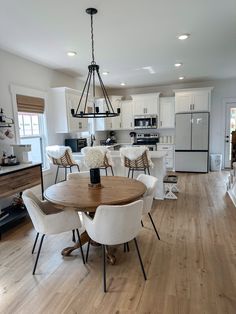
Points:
(149, 140)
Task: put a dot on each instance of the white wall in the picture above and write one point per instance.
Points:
(223, 89)
(19, 71)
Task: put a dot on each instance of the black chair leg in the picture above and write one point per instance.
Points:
(73, 235)
(35, 242)
(140, 259)
(148, 171)
(104, 268)
(80, 246)
(65, 173)
(142, 223)
(132, 173)
(87, 253)
(112, 171)
(78, 168)
(149, 214)
(57, 174)
(70, 169)
(40, 246)
(106, 171)
(128, 172)
(127, 245)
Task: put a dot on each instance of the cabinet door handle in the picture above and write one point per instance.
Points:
(190, 107)
(193, 106)
(161, 123)
(131, 124)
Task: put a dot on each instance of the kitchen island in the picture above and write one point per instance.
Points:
(158, 170)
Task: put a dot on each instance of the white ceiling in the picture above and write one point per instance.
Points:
(129, 35)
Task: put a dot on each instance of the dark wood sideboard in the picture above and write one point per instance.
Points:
(16, 179)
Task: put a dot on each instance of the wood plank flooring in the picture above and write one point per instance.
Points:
(191, 270)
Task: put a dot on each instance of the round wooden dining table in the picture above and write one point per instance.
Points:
(77, 194)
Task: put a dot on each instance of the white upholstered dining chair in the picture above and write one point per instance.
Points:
(114, 225)
(48, 219)
(151, 183)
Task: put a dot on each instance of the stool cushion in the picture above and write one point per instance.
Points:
(170, 179)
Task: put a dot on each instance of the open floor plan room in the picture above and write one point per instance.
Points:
(191, 270)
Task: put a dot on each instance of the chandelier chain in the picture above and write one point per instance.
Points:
(92, 39)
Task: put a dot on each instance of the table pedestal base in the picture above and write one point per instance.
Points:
(111, 259)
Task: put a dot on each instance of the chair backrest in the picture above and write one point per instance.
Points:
(33, 206)
(60, 155)
(107, 155)
(135, 157)
(78, 175)
(116, 224)
(151, 184)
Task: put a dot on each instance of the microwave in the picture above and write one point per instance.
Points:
(145, 122)
(76, 144)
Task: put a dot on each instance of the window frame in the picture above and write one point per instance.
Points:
(16, 90)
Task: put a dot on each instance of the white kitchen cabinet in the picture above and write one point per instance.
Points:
(114, 123)
(167, 112)
(102, 124)
(146, 104)
(62, 101)
(127, 118)
(169, 153)
(193, 100)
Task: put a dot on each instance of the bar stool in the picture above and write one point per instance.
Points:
(136, 159)
(61, 156)
(107, 162)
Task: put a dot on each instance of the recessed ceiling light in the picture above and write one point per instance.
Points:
(71, 53)
(105, 73)
(122, 84)
(178, 64)
(181, 78)
(183, 36)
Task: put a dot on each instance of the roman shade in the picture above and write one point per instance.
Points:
(30, 104)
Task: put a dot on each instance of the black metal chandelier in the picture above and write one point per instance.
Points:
(84, 111)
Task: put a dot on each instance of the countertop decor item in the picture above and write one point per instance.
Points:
(84, 111)
(94, 160)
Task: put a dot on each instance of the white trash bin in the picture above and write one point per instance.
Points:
(216, 162)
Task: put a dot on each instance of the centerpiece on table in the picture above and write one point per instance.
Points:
(94, 159)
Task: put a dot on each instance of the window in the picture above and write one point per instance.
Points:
(32, 126)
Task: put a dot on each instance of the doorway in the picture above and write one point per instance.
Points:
(230, 125)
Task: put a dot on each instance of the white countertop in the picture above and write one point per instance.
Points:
(8, 169)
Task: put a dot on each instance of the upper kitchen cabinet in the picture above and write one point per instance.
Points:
(146, 104)
(167, 113)
(114, 123)
(193, 100)
(127, 118)
(62, 101)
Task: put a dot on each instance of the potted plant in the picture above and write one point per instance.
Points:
(94, 159)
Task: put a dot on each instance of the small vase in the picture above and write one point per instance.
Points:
(95, 176)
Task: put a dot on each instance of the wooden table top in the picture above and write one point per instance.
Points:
(76, 193)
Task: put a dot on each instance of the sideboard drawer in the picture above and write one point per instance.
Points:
(19, 181)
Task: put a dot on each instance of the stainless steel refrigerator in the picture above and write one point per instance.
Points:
(192, 142)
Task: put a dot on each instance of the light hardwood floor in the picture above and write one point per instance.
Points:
(191, 270)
